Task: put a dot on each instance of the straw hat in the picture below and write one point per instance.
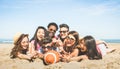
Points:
(16, 37)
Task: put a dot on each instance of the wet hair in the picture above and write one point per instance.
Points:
(35, 36)
(17, 47)
(54, 24)
(90, 44)
(75, 34)
(64, 25)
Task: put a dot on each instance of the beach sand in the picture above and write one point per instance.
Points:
(109, 61)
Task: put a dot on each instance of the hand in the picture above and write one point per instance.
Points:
(40, 55)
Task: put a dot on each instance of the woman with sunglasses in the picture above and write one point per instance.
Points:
(69, 48)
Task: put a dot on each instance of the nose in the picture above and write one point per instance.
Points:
(26, 43)
(81, 45)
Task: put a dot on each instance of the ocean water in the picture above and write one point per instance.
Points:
(9, 41)
(107, 40)
(112, 40)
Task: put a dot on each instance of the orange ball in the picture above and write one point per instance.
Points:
(51, 57)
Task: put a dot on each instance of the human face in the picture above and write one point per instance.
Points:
(46, 47)
(25, 42)
(52, 28)
(82, 46)
(63, 32)
(40, 34)
(69, 40)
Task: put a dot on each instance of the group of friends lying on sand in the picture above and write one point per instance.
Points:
(68, 44)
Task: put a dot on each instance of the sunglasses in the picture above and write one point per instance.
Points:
(70, 38)
(48, 47)
(52, 30)
(63, 31)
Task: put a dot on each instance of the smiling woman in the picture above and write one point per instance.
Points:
(71, 40)
(21, 47)
(89, 48)
(69, 48)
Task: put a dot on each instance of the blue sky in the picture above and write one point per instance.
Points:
(99, 18)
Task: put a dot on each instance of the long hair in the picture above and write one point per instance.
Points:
(75, 34)
(17, 46)
(37, 41)
(90, 44)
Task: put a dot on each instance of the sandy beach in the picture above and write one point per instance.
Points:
(109, 61)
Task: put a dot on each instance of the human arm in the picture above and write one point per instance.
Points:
(34, 52)
(74, 53)
(67, 56)
(31, 49)
(78, 58)
(101, 42)
(23, 56)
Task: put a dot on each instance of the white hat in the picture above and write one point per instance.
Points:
(16, 37)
